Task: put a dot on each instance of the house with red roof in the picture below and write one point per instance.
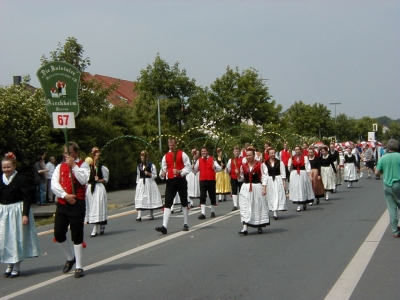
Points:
(124, 94)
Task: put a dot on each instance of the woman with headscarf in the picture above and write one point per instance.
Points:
(147, 195)
(96, 195)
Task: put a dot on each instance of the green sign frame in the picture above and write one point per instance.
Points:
(60, 82)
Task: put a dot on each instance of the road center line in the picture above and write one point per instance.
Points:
(347, 282)
(123, 254)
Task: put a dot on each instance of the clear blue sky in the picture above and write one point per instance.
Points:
(315, 51)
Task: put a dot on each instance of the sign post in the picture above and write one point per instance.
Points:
(60, 82)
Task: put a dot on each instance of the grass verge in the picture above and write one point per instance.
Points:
(46, 221)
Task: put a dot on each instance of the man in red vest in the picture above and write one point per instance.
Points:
(233, 169)
(70, 209)
(284, 156)
(175, 166)
(266, 148)
(207, 167)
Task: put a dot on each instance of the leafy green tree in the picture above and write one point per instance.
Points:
(309, 120)
(159, 79)
(393, 132)
(24, 124)
(235, 98)
(364, 125)
(346, 128)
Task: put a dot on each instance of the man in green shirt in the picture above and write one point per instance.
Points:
(389, 166)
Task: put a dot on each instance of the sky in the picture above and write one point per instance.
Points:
(316, 51)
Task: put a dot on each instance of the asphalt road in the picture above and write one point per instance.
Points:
(299, 256)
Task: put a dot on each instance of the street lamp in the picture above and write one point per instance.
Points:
(335, 103)
(159, 121)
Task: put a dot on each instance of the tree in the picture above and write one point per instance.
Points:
(346, 128)
(159, 79)
(393, 132)
(235, 98)
(24, 124)
(309, 120)
(364, 125)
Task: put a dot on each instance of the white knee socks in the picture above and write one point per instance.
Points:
(203, 209)
(235, 200)
(185, 211)
(167, 214)
(67, 248)
(78, 255)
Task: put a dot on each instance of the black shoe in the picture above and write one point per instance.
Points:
(172, 211)
(8, 271)
(102, 228)
(317, 201)
(14, 274)
(191, 206)
(185, 227)
(276, 217)
(260, 231)
(201, 217)
(79, 273)
(219, 200)
(304, 207)
(68, 265)
(93, 235)
(139, 220)
(244, 232)
(162, 229)
(234, 208)
(212, 214)
(224, 199)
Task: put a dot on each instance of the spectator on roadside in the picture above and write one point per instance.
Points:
(369, 159)
(389, 166)
(50, 166)
(39, 170)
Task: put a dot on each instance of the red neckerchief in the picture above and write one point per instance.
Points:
(256, 169)
(298, 164)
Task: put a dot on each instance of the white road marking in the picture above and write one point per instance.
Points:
(123, 254)
(347, 282)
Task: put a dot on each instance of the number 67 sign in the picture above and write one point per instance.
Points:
(63, 120)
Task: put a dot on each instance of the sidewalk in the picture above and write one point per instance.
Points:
(121, 198)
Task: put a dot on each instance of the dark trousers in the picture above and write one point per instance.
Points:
(176, 185)
(207, 186)
(73, 216)
(236, 185)
(287, 173)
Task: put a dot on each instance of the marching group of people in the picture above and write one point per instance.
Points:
(258, 183)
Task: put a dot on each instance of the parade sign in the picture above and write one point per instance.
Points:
(60, 81)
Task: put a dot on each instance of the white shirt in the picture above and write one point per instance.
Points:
(82, 175)
(186, 162)
(50, 167)
(217, 167)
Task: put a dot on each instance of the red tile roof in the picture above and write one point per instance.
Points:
(124, 90)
